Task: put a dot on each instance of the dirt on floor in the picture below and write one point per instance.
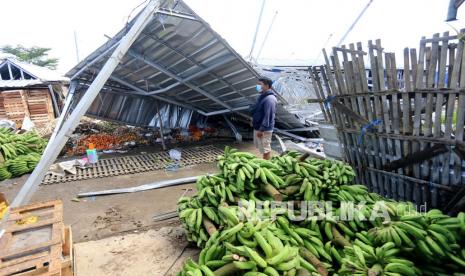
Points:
(116, 234)
(153, 252)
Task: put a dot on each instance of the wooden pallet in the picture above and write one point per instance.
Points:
(40, 248)
(137, 164)
(40, 106)
(2, 108)
(15, 105)
(416, 153)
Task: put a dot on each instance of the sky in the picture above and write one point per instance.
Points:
(301, 28)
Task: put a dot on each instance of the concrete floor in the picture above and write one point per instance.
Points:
(101, 223)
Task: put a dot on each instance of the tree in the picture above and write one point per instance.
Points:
(35, 55)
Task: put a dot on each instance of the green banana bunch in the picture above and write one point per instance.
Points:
(4, 173)
(267, 241)
(191, 214)
(250, 247)
(364, 259)
(21, 151)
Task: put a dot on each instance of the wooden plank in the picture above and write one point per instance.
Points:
(418, 104)
(357, 79)
(416, 157)
(459, 129)
(377, 145)
(385, 112)
(373, 63)
(349, 80)
(387, 60)
(406, 122)
(454, 64)
(432, 56)
(371, 142)
(399, 189)
(329, 75)
(412, 138)
(351, 111)
(2, 108)
(329, 91)
(431, 67)
(380, 66)
(337, 70)
(450, 68)
(438, 39)
(443, 62)
(319, 93)
(414, 62)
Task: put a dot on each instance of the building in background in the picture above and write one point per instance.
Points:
(28, 90)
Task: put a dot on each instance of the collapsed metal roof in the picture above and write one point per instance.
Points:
(177, 61)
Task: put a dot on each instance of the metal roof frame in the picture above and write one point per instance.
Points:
(167, 53)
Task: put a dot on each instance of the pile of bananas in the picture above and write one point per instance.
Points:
(21, 152)
(239, 238)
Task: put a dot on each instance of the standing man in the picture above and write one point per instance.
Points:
(263, 116)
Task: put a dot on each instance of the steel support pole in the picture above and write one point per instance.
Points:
(50, 155)
(233, 128)
(64, 112)
(160, 121)
(54, 100)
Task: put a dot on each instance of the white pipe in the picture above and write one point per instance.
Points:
(145, 187)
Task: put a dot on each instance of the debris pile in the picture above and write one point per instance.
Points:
(298, 216)
(20, 152)
(106, 136)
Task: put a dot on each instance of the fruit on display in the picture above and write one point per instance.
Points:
(21, 152)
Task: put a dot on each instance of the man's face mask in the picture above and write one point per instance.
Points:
(258, 87)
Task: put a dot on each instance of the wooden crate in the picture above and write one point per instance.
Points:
(40, 248)
(402, 129)
(15, 103)
(2, 108)
(40, 106)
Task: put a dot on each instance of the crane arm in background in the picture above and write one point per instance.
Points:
(249, 57)
(355, 22)
(266, 37)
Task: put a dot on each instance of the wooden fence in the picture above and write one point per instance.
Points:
(403, 132)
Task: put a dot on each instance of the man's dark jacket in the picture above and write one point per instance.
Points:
(263, 112)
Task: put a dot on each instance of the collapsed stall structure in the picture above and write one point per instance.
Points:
(166, 61)
(404, 133)
(30, 90)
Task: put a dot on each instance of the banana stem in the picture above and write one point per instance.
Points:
(304, 156)
(290, 190)
(271, 191)
(303, 272)
(307, 255)
(338, 238)
(209, 226)
(375, 270)
(227, 269)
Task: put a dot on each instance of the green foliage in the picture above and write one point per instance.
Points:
(35, 55)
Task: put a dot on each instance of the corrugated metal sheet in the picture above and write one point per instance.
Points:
(178, 60)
